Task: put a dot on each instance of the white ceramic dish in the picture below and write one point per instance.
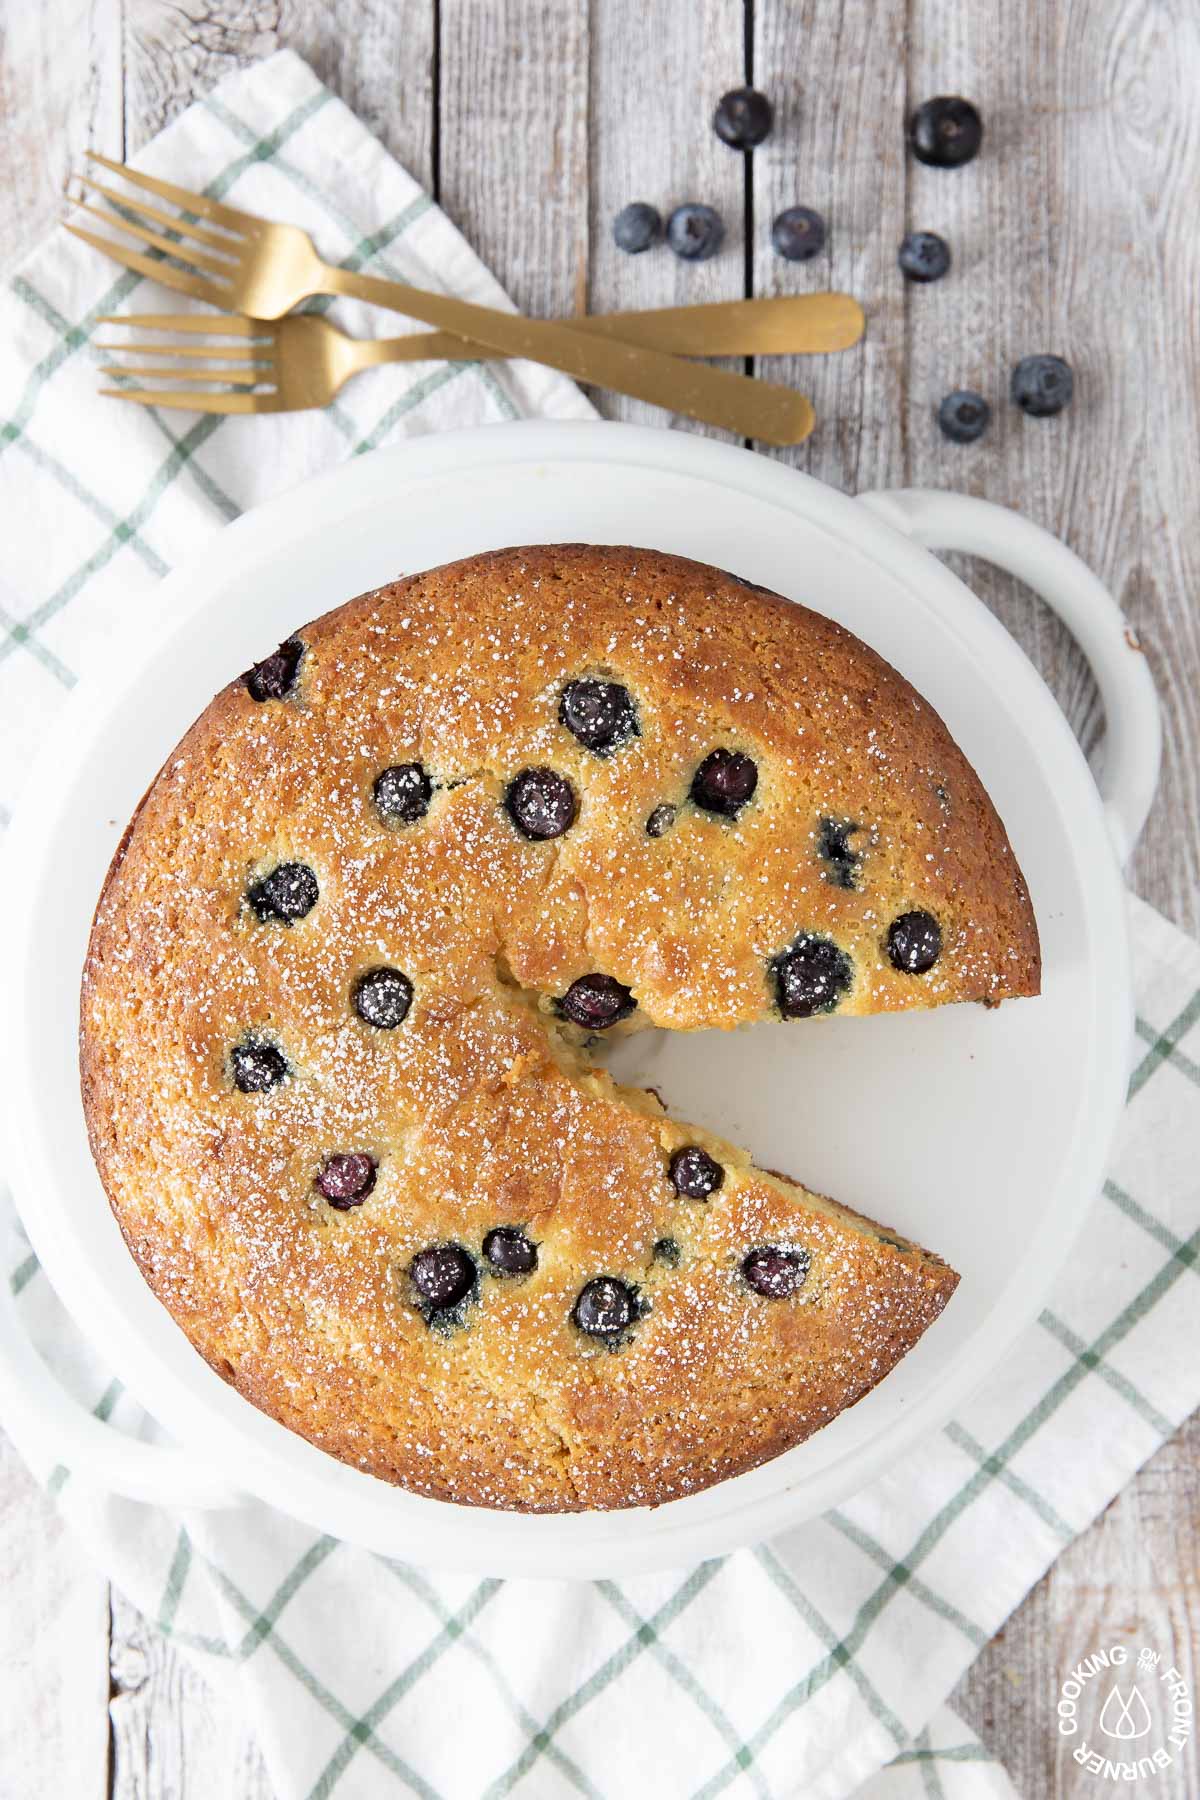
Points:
(983, 1135)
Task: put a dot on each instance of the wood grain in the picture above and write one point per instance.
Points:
(1074, 231)
(53, 1649)
(656, 75)
(60, 89)
(513, 143)
(377, 55)
(173, 1737)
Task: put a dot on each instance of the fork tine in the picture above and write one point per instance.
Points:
(208, 324)
(218, 240)
(208, 403)
(169, 246)
(230, 377)
(146, 265)
(239, 353)
(228, 216)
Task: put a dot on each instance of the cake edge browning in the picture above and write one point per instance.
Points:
(937, 1281)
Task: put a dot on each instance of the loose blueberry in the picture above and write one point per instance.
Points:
(945, 132)
(833, 845)
(605, 1306)
(257, 1066)
(660, 821)
(596, 1002)
(382, 997)
(743, 118)
(724, 782)
(914, 942)
(924, 256)
(695, 232)
(540, 803)
(287, 893)
(798, 234)
(601, 714)
(636, 227)
(510, 1251)
(1042, 385)
(773, 1273)
(275, 676)
(402, 793)
(346, 1179)
(811, 976)
(442, 1275)
(964, 416)
(694, 1173)
(667, 1251)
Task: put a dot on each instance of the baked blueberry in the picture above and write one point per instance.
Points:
(605, 1306)
(914, 942)
(695, 232)
(442, 1275)
(660, 821)
(596, 1002)
(963, 416)
(945, 132)
(724, 782)
(636, 227)
(382, 997)
(541, 803)
(601, 714)
(811, 976)
(1042, 385)
(694, 1173)
(257, 1065)
(287, 893)
(275, 676)
(775, 1273)
(798, 234)
(743, 118)
(346, 1179)
(402, 793)
(667, 1251)
(924, 256)
(833, 845)
(510, 1251)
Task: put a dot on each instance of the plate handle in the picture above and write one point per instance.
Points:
(1133, 726)
(48, 1426)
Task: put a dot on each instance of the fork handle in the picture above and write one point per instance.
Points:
(738, 403)
(779, 325)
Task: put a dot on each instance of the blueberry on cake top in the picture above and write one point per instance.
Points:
(355, 952)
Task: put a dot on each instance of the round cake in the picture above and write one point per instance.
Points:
(356, 948)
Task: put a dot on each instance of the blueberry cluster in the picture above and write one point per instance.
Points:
(943, 133)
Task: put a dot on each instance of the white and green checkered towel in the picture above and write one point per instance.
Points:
(798, 1669)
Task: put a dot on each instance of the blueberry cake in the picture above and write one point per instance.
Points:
(357, 948)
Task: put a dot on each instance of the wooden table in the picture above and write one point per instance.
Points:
(533, 121)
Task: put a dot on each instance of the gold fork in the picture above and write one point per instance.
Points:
(303, 360)
(263, 269)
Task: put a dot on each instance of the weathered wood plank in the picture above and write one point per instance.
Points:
(1060, 224)
(377, 57)
(53, 1649)
(513, 142)
(656, 75)
(173, 1737)
(1133, 1579)
(60, 89)
(836, 75)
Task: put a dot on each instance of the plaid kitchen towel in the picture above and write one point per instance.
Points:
(807, 1667)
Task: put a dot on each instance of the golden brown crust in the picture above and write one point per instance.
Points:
(476, 1108)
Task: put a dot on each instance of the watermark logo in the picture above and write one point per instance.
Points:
(1143, 1721)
